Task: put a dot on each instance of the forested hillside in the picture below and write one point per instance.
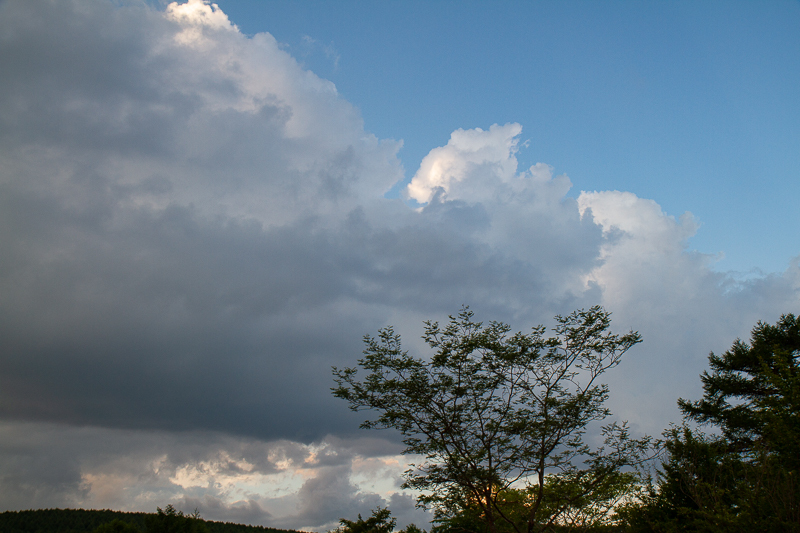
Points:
(88, 521)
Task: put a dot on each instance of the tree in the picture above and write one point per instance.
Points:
(753, 392)
(381, 521)
(169, 520)
(491, 411)
(746, 478)
(753, 396)
(697, 489)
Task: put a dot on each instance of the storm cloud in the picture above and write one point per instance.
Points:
(194, 229)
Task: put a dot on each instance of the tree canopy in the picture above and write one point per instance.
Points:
(746, 477)
(753, 391)
(170, 520)
(381, 521)
(493, 412)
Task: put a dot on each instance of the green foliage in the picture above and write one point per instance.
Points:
(168, 520)
(753, 392)
(64, 520)
(745, 479)
(583, 514)
(491, 410)
(117, 526)
(696, 487)
(381, 521)
(87, 521)
(412, 528)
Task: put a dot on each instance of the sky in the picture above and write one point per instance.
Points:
(205, 207)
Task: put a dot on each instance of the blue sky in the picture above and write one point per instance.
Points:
(203, 208)
(692, 104)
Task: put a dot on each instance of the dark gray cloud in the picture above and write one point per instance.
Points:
(179, 256)
(193, 231)
(124, 304)
(248, 512)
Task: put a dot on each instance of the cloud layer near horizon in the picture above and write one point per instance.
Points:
(194, 229)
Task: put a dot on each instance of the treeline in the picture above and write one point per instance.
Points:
(166, 520)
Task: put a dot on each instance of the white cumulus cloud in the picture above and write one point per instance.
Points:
(488, 153)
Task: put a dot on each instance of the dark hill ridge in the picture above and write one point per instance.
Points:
(86, 521)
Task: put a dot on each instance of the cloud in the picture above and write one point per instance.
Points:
(199, 14)
(226, 478)
(671, 295)
(162, 217)
(487, 153)
(194, 230)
